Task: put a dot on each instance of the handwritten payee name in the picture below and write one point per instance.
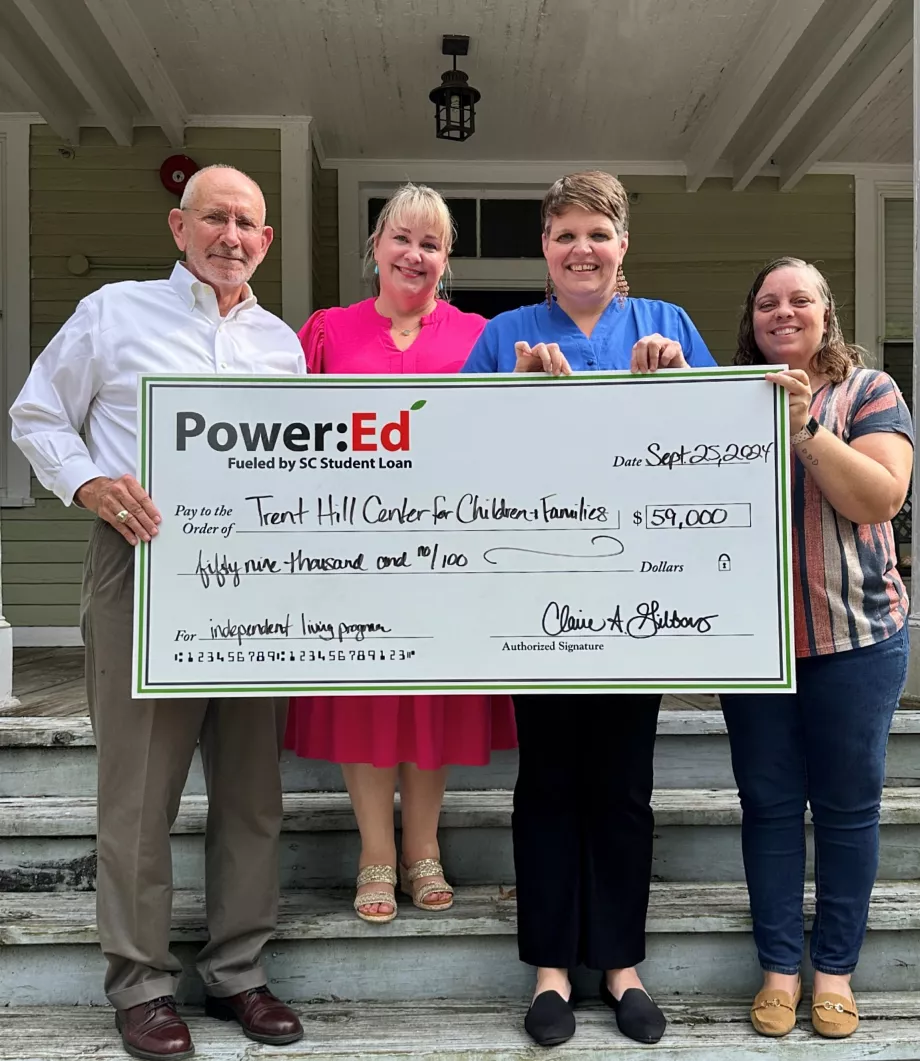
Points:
(349, 510)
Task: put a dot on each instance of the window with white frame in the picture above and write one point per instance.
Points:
(487, 226)
(897, 319)
(898, 292)
(497, 259)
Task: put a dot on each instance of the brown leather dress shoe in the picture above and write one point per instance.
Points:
(264, 1018)
(154, 1031)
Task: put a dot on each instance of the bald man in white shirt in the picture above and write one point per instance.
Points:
(203, 319)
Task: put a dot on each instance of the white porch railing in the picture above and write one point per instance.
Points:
(6, 651)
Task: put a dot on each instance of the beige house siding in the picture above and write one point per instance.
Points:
(703, 250)
(700, 251)
(106, 203)
(325, 236)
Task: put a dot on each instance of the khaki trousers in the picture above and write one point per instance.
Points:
(145, 748)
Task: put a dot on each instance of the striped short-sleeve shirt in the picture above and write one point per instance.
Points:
(848, 592)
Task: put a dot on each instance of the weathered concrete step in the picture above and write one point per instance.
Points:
(699, 941)
(699, 1029)
(54, 756)
(489, 910)
(47, 843)
(330, 812)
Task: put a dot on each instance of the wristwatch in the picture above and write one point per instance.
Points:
(808, 431)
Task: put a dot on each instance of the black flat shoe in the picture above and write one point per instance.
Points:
(638, 1018)
(550, 1020)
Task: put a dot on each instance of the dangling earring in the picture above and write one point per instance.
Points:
(622, 286)
(376, 269)
(549, 291)
(440, 291)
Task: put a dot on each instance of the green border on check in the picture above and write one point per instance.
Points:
(786, 681)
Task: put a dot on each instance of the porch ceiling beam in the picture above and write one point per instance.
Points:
(833, 38)
(137, 55)
(885, 54)
(110, 105)
(745, 83)
(21, 68)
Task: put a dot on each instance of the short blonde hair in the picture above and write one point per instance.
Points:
(593, 190)
(411, 205)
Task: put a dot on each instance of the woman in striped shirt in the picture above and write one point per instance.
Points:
(852, 447)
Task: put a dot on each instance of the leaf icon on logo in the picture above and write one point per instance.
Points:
(418, 404)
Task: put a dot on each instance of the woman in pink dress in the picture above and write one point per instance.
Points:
(412, 740)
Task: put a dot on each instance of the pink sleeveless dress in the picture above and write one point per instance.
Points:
(430, 731)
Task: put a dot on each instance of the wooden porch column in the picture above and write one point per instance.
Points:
(297, 221)
(913, 676)
(6, 650)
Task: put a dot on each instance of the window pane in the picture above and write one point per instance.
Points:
(463, 212)
(490, 303)
(510, 228)
(899, 268)
(899, 364)
(374, 206)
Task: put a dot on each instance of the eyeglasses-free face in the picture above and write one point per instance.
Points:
(789, 317)
(583, 253)
(411, 259)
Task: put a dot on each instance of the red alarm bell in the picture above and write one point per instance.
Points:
(175, 172)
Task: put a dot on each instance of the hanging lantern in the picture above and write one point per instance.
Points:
(455, 98)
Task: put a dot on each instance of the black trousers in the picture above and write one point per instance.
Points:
(583, 828)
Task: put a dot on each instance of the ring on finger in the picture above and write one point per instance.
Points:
(122, 516)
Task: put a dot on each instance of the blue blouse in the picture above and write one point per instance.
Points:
(610, 345)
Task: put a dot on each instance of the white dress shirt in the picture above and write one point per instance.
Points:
(87, 375)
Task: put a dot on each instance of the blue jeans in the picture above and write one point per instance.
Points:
(824, 745)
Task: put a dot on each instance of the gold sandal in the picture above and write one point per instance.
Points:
(425, 867)
(773, 1011)
(834, 1016)
(376, 875)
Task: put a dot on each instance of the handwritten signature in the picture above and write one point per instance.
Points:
(648, 620)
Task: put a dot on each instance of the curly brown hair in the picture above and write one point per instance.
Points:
(835, 359)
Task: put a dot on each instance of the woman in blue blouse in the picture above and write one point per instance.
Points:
(582, 822)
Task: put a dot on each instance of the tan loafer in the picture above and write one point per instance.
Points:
(773, 1011)
(834, 1016)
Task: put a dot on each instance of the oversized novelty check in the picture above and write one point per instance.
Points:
(465, 534)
